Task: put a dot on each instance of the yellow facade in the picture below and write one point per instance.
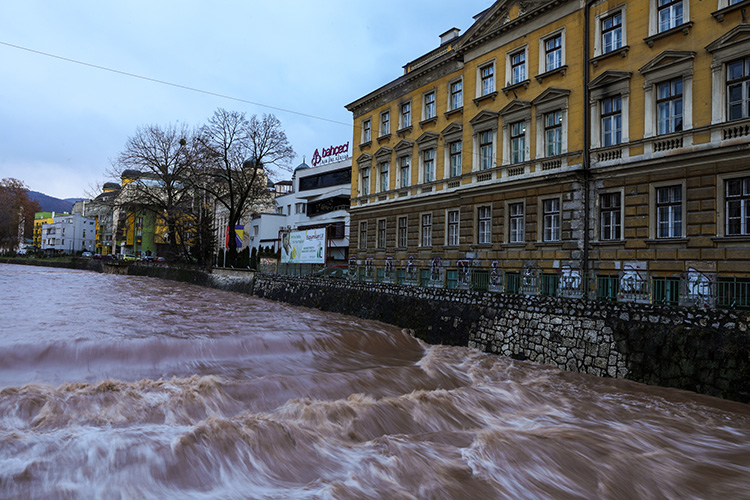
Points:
(599, 140)
(40, 218)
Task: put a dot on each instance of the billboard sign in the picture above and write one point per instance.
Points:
(304, 247)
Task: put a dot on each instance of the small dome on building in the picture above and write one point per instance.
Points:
(302, 166)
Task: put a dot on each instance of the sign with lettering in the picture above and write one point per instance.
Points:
(332, 154)
(304, 247)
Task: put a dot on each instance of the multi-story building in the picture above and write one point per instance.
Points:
(41, 218)
(319, 198)
(561, 146)
(69, 234)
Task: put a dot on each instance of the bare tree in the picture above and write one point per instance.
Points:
(238, 154)
(161, 158)
(16, 213)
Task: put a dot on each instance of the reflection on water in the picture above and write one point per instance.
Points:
(119, 387)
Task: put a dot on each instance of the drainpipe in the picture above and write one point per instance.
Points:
(586, 135)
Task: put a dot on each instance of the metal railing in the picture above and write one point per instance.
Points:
(731, 292)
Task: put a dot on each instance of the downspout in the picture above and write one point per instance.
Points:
(586, 135)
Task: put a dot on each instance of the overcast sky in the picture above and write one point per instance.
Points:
(62, 123)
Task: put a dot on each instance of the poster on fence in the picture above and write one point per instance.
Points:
(304, 247)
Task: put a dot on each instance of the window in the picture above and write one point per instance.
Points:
(517, 67)
(384, 177)
(515, 222)
(485, 149)
(299, 208)
(406, 115)
(404, 171)
(402, 225)
(738, 89)
(518, 142)
(363, 235)
(553, 52)
(551, 220)
(484, 226)
(453, 222)
(737, 199)
(669, 212)
(426, 230)
(366, 131)
(365, 185)
(381, 233)
(455, 158)
(456, 94)
(611, 116)
(429, 105)
(553, 133)
(611, 27)
(487, 79)
(610, 216)
(669, 14)
(428, 165)
(385, 123)
(669, 106)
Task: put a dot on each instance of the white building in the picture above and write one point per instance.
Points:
(69, 233)
(319, 199)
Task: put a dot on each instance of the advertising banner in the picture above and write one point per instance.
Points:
(304, 247)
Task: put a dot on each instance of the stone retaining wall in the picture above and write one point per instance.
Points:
(706, 351)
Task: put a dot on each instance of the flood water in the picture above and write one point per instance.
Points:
(118, 387)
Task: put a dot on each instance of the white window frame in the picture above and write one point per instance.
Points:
(653, 17)
(425, 229)
(404, 115)
(364, 181)
(600, 212)
(543, 68)
(486, 161)
(509, 119)
(452, 228)
(362, 243)
(524, 137)
(509, 235)
(725, 50)
(382, 234)
(622, 89)
(481, 90)
(450, 154)
(652, 78)
(598, 41)
(653, 216)
(611, 116)
(484, 224)
(451, 105)
(423, 165)
(385, 126)
(544, 218)
(402, 231)
(384, 170)
(404, 162)
(509, 65)
(429, 110)
(721, 199)
(366, 131)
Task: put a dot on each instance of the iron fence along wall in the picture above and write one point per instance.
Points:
(688, 289)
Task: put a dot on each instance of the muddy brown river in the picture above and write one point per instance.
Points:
(118, 387)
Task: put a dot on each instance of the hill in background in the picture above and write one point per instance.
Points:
(51, 204)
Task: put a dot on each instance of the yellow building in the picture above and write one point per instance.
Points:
(559, 147)
(41, 218)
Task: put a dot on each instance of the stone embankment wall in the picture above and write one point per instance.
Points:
(706, 351)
